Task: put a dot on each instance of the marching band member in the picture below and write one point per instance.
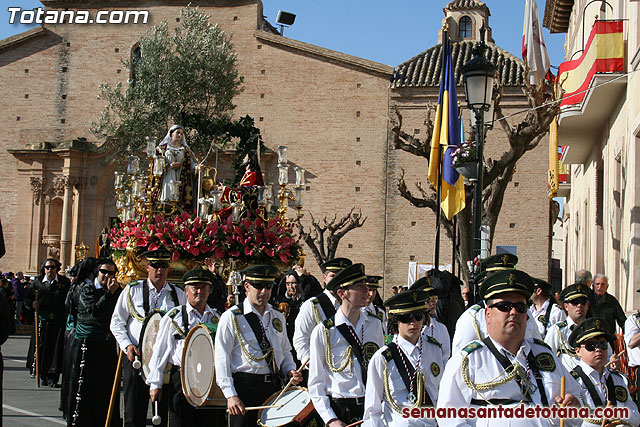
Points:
(375, 306)
(505, 368)
(544, 309)
(472, 324)
(405, 373)
(632, 339)
(576, 302)
(600, 386)
(341, 348)
(253, 348)
(317, 309)
(174, 327)
(134, 304)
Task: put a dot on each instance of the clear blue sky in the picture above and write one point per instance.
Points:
(389, 31)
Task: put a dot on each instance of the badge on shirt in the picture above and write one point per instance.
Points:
(435, 369)
(369, 349)
(277, 324)
(545, 362)
(542, 318)
(621, 393)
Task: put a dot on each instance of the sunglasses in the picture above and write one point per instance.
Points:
(432, 299)
(579, 301)
(49, 267)
(259, 286)
(591, 346)
(506, 306)
(407, 318)
(159, 265)
(107, 272)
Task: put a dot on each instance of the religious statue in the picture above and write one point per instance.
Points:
(180, 161)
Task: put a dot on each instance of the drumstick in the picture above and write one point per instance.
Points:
(291, 381)
(156, 420)
(357, 423)
(136, 363)
(617, 355)
(114, 390)
(563, 386)
(255, 408)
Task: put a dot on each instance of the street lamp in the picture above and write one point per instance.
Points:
(479, 75)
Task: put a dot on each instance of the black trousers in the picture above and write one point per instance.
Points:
(636, 383)
(136, 397)
(348, 410)
(181, 413)
(51, 350)
(253, 391)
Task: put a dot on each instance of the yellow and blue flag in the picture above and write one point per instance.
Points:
(446, 135)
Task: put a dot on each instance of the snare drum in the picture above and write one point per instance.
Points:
(198, 373)
(296, 409)
(148, 336)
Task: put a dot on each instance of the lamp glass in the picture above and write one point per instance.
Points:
(282, 151)
(478, 88)
(283, 174)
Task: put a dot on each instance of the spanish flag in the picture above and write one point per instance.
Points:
(446, 133)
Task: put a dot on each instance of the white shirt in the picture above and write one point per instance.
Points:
(376, 311)
(439, 332)
(168, 349)
(126, 328)
(558, 339)
(306, 321)
(378, 412)
(229, 357)
(473, 317)
(348, 383)
(631, 328)
(555, 316)
(599, 382)
(484, 367)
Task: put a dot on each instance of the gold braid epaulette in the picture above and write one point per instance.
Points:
(387, 390)
(315, 312)
(568, 350)
(477, 328)
(347, 356)
(244, 344)
(132, 310)
(489, 384)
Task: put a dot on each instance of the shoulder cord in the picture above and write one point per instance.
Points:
(244, 344)
(566, 348)
(132, 310)
(315, 312)
(347, 357)
(419, 383)
(476, 327)
(479, 388)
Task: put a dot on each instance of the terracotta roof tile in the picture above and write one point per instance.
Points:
(424, 69)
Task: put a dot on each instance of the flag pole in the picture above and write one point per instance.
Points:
(436, 252)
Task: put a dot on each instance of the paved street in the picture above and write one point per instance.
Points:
(24, 404)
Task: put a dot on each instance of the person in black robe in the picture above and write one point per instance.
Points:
(48, 294)
(95, 352)
(71, 306)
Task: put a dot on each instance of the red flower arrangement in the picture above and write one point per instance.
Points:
(251, 239)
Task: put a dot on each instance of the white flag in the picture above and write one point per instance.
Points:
(534, 51)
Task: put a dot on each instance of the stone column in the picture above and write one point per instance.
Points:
(37, 184)
(65, 233)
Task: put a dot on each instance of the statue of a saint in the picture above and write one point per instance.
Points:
(179, 160)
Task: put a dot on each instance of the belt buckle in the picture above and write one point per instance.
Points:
(360, 401)
(267, 378)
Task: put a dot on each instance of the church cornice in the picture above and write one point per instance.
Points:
(13, 41)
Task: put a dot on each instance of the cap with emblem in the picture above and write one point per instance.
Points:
(373, 281)
(350, 275)
(421, 283)
(198, 275)
(407, 302)
(260, 273)
(507, 281)
(575, 291)
(588, 329)
(335, 265)
(541, 284)
(158, 255)
(499, 262)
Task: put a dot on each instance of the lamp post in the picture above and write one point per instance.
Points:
(479, 75)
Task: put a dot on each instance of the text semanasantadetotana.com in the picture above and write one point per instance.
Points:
(520, 411)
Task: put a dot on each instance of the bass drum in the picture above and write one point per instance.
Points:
(198, 373)
(148, 336)
(295, 408)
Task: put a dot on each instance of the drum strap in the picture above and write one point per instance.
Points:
(349, 334)
(547, 314)
(408, 376)
(261, 337)
(327, 307)
(182, 332)
(592, 390)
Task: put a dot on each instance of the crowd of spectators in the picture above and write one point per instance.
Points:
(13, 287)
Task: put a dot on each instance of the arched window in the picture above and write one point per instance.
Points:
(464, 27)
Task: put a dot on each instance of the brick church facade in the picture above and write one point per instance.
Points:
(329, 108)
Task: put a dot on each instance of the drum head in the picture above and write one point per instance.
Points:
(197, 366)
(293, 402)
(147, 339)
